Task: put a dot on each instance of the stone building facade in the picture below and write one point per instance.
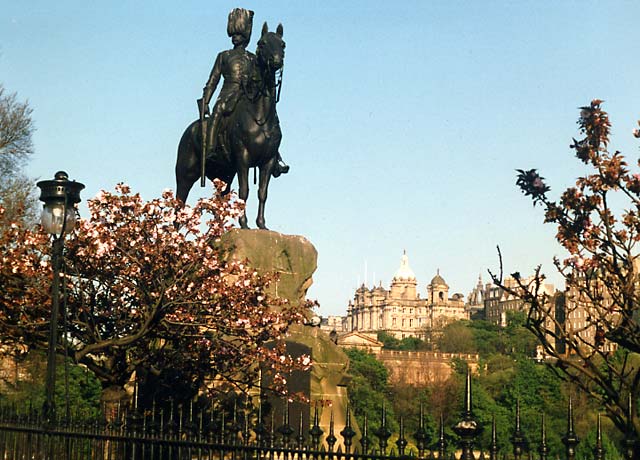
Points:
(399, 310)
(497, 302)
(586, 303)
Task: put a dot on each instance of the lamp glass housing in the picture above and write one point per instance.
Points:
(53, 214)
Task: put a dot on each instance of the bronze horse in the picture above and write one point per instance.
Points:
(251, 133)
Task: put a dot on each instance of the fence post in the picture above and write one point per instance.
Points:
(442, 444)
(629, 436)
(544, 448)
(383, 434)
(493, 449)
(518, 440)
(598, 451)
(261, 428)
(467, 428)
(316, 432)
(570, 440)
(300, 439)
(401, 442)
(347, 432)
(421, 435)
(286, 430)
(365, 442)
(331, 438)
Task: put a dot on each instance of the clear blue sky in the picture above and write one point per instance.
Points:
(403, 124)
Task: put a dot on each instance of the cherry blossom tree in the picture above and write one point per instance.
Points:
(593, 336)
(149, 292)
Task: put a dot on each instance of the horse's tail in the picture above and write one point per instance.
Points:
(188, 160)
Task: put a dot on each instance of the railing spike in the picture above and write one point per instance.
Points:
(316, 432)
(493, 450)
(543, 450)
(401, 442)
(468, 427)
(598, 451)
(570, 440)
(347, 432)
(383, 434)
(364, 441)
(301, 436)
(442, 445)
(331, 438)
(630, 442)
(517, 439)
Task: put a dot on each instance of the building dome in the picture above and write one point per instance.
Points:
(404, 272)
(438, 280)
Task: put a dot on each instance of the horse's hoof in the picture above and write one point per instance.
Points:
(243, 223)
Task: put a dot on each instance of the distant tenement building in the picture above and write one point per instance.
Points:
(498, 302)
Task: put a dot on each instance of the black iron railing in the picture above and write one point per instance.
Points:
(185, 433)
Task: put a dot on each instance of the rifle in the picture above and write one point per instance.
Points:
(203, 136)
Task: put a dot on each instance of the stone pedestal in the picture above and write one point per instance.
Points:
(295, 259)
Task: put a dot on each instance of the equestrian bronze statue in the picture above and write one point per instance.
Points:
(243, 132)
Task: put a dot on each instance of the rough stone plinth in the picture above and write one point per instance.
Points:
(295, 259)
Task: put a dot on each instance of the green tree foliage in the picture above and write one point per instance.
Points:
(369, 389)
(16, 147)
(407, 344)
(586, 446)
(389, 342)
(27, 386)
(411, 344)
(506, 375)
(407, 401)
(457, 338)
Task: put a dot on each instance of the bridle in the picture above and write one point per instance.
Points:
(265, 89)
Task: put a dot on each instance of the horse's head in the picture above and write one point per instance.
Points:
(270, 52)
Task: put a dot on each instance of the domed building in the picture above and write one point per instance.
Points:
(400, 311)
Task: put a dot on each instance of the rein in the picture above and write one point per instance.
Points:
(262, 91)
(278, 86)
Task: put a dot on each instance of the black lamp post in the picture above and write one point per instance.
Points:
(58, 217)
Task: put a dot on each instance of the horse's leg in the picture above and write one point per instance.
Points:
(228, 179)
(263, 187)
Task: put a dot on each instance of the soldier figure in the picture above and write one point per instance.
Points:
(236, 66)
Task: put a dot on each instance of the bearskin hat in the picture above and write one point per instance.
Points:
(240, 22)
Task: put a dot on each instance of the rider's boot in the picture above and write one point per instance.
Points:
(280, 168)
(212, 134)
